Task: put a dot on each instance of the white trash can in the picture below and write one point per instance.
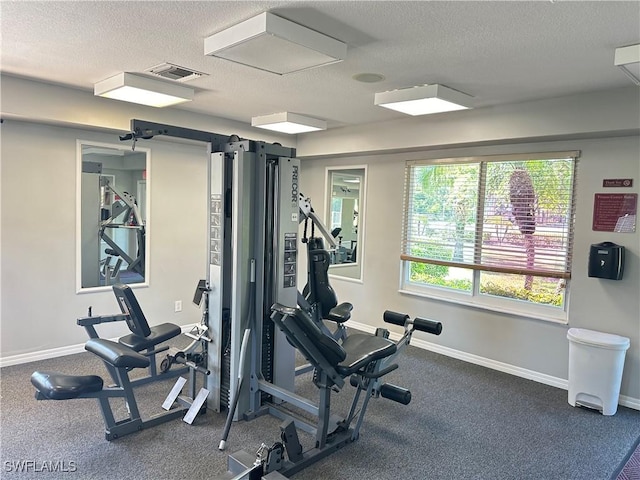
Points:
(596, 361)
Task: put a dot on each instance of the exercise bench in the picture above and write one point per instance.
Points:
(359, 358)
(121, 359)
(142, 338)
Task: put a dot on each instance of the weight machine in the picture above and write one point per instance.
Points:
(251, 299)
(253, 195)
(255, 208)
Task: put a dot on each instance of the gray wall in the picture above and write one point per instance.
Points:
(38, 303)
(531, 344)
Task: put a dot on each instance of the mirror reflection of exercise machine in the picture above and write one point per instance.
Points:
(119, 210)
(346, 197)
(111, 221)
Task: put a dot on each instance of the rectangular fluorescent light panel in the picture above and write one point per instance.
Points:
(146, 91)
(286, 122)
(274, 44)
(628, 59)
(423, 100)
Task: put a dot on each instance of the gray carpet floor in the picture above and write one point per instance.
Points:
(464, 422)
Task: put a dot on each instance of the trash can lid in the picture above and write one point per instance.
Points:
(599, 339)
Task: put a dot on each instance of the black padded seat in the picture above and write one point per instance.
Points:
(57, 386)
(116, 354)
(341, 313)
(362, 349)
(159, 334)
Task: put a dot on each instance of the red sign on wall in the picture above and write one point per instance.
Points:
(615, 212)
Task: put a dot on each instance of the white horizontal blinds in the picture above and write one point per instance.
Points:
(440, 213)
(527, 222)
(509, 214)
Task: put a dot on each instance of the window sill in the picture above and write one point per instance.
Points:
(553, 317)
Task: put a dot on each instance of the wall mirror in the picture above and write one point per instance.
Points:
(112, 213)
(345, 193)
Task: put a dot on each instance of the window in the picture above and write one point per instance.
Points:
(336, 212)
(495, 232)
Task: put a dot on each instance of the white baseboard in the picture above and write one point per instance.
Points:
(56, 352)
(562, 383)
(629, 402)
(557, 382)
(40, 355)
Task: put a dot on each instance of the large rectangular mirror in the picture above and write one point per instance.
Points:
(112, 214)
(345, 193)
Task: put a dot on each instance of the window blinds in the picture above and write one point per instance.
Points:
(509, 214)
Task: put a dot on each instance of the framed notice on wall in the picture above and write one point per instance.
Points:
(615, 212)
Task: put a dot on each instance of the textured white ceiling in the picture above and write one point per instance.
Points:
(498, 52)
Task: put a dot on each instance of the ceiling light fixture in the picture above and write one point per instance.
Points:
(274, 44)
(129, 87)
(423, 100)
(286, 122)
(628, 59)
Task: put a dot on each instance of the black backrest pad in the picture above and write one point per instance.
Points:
(129, 306)
(320, 290)
(328, 347)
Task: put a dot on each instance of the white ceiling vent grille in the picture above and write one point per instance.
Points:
(175, 72)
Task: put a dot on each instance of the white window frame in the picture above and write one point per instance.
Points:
(474, 298)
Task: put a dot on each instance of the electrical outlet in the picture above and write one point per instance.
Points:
(178, 306)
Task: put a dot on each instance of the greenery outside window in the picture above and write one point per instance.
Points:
(494, 232)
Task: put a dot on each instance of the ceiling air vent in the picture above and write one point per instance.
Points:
(175, 72)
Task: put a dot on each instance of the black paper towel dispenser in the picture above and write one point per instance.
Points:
(606, 260)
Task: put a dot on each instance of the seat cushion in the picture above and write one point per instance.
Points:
(341, 313)
(159, 334)
(116, 354)
(363, 349)
(58, 386)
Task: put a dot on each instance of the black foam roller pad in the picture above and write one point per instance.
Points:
(428, 326)
(395, 393)
(395, 318)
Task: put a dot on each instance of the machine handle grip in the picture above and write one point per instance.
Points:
(429, 326)
(395, 318)
(179, 358)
